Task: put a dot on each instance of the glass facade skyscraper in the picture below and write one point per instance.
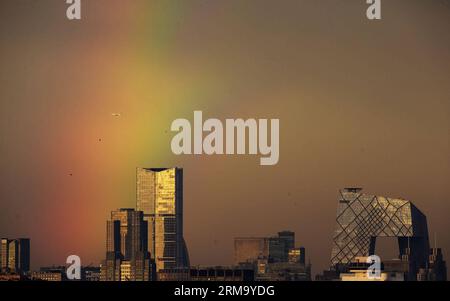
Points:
(361, 218)
(160, 196)
(15, 255)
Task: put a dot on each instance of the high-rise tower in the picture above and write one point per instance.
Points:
(15, 255)
(127, 257)
(361, 218)
(126, 233)
(160, 197)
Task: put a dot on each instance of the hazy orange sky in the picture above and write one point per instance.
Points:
(361, 103)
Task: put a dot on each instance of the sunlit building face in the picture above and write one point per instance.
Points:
(4, 254)
(160, 197)
(12, 258)
(361, 218)
(15, 255)
(131, 232)
(127, 258)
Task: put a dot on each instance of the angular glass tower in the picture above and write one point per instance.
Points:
(361, 218)
(160, 197)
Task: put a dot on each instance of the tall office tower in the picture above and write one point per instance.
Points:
(277, 249)
(15, 255)
(126, 247)
(288, 239)
(160, 196)
(361, 218)
(12, 256)
(128, 234)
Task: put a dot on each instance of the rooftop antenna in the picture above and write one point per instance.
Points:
(435, 240)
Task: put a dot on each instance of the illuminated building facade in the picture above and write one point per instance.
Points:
(160, 196)
(127, 233)
(4, 254)
(55, 275)
(125, 270)
(11, 277)
(361, 218)
(15, 255)
(297, 255)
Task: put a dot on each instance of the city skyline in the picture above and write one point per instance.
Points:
(147, 177)
(130, 233)
(361, 104)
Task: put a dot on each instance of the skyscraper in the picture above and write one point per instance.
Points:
(127, 257)
(15, 255)
(361, 218)
(127, 233)
(289, 239)
(12, 255)
(160, 196)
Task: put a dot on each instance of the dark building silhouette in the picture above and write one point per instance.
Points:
(216, 273)
(436, 269)
(297, 255)
(90, 273)
(127, 257)
(289, 239)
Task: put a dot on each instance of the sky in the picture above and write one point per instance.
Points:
(361, 103)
